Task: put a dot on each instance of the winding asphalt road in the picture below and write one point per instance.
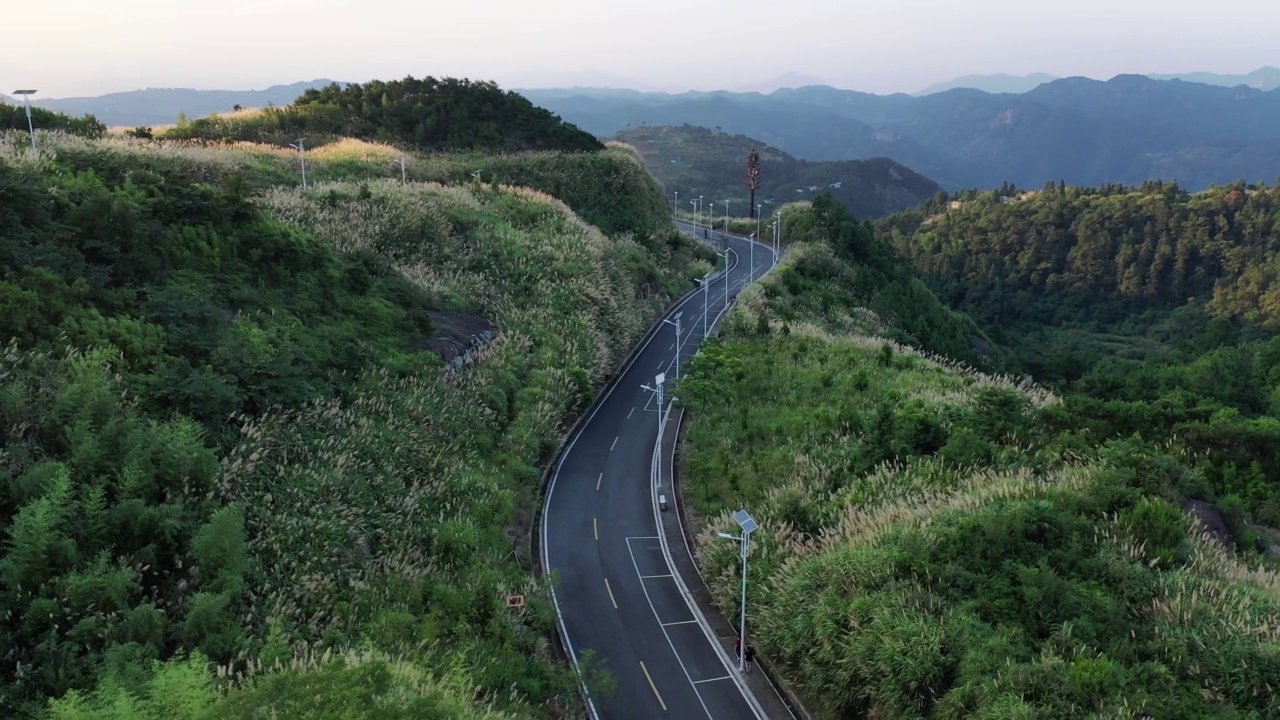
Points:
(615, 594)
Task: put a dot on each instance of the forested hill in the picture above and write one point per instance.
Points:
(267, 452)
(427, 113)
(696, 161)
(1099, 254)
(938, 542)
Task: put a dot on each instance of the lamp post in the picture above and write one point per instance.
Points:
(748, 525)
(675, 206)
(726, 216)
(26, 101)
(675, 320)
(476, 175)
(696, 222)
(774, 226)
(704, 282)
(403, 175)
(711, 215)
(726, 273)
(302, 153)
(658, 380)
(752, 244)
(777, 241)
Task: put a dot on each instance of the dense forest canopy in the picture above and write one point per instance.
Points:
(1067, 254)
(426, 114)
(939, 542)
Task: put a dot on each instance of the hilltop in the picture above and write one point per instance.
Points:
(698, 161)
(163, 106)
(426, 114)
(1126, 130)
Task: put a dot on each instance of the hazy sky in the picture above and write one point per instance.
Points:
(89, 47)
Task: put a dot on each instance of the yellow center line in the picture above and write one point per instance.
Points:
(599, 480)
(595, 527)
(612, 599)
(615, 443)
(629, 414)
(655, 687)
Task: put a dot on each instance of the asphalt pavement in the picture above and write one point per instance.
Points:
(616, 596)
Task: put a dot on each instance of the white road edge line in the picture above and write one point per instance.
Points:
(674, 652)
(685, 536)
(555, 475)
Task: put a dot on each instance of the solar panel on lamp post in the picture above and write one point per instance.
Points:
(748, 525)
(26, 101)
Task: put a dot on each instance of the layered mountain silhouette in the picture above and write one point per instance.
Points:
(694, 161)
(162, 106)
(1125, 130)
(1264, 78)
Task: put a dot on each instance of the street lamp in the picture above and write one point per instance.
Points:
(26, 101)
(675, 206)
(726, 273)
(711, 216)
(302, 153)
(476, 175)
(401, 160)
(777, 238)
(675, 320)
(704, 282)
(774, 226)
(658, 381)
(726, 216)
(748, 525)
(752, 261)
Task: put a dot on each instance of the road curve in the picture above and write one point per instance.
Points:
(614, 593)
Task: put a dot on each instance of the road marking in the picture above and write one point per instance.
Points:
(673, 347)
(595, 526)
(679, 661)
(650, 577)
(679, 622)
(655, 687)
(662, 364)
(615, 443)
(611, 597)
(599, 480)
(726, 677)
(632, 411)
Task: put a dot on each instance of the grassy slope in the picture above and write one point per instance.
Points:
(391, 514)
(697, 161)
(928, 549)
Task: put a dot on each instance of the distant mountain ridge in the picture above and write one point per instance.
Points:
(1087, 132)
(696, 161)
(162, 106)
(1264, 78)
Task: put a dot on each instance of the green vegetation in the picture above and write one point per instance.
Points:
(427, 114)
(236, 481)
(697, 161)
(14, 117)
(940, 542)
(1151, 311)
